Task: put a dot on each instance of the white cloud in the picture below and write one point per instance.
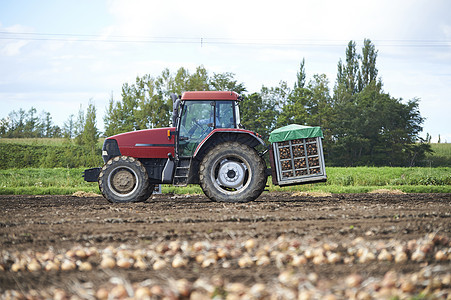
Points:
(13, 48)
(9, 46)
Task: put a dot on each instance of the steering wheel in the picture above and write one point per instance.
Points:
(194, 127)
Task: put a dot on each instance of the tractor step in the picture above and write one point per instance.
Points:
(182, 172)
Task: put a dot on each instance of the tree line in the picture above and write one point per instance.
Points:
(362, 124)
(27, 124)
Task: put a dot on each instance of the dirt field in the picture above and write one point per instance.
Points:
(362, 246)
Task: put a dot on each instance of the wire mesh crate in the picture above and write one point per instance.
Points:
(299, 161)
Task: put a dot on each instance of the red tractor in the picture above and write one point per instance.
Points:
(206, 145)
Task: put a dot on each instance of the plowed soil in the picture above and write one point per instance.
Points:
(32, 224)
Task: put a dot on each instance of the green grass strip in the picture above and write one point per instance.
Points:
(64, 181)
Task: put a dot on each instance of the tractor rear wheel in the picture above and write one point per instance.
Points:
(232, 172)
(124, 179)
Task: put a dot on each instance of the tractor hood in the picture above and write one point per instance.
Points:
(148, 143)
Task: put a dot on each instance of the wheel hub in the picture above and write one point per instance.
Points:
(231, 174)
(123, 181)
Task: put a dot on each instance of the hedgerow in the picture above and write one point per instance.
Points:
(16, 156)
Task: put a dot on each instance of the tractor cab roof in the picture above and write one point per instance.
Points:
(210, 95)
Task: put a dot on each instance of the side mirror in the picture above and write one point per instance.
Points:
(175, 108)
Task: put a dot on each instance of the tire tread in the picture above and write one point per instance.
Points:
(252, 192)
(146, 189)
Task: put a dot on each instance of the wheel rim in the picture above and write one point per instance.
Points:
(122, 181)
(231, 174)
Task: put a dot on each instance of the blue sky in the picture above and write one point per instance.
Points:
(58, 55)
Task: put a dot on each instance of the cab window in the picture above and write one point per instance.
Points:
(225, 114)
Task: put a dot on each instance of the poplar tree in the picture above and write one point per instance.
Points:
(69, 127)
(368, 126)
(300, 76)
(368, 71)
(294, 109)
(31, 123)
(79, 126)
(90, 134)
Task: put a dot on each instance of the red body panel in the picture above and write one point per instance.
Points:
(148, 143)
(209, 95)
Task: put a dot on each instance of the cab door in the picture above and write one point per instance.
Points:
(196, 122)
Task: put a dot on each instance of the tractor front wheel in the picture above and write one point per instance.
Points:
(232, 172)
(124, 179)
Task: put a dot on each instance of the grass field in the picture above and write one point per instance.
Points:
(442, 149)
(440, 157)
(366, 179)
(61, 181)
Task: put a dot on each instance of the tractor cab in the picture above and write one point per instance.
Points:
(200, 113)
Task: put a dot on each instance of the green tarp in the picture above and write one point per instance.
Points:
(293, 132)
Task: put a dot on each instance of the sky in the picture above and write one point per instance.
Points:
(58, 55)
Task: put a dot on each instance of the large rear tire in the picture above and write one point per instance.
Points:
(124, 179)
(232, 172)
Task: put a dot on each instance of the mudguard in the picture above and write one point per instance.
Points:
(228, 134)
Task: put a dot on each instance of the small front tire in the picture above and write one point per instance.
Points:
(124, 179)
